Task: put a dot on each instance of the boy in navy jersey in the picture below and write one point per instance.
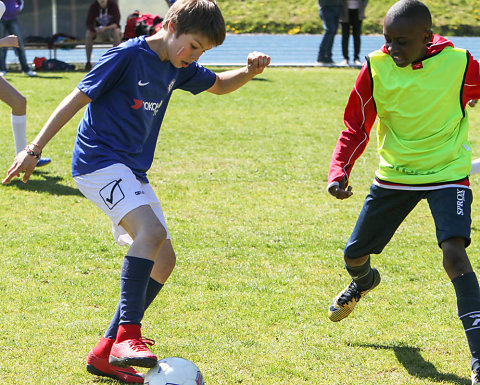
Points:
(127, 93)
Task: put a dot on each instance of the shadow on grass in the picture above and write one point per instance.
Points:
(416, 365)
(49, 184)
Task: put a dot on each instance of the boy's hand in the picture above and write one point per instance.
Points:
(22, 163)
(256, 62)
(339, 191)
(472, 102)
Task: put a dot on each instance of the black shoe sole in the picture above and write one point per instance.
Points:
(125, 362)
(93, 370)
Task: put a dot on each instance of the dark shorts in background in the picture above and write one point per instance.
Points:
(385, 209)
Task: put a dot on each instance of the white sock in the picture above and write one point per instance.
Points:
(19, 127)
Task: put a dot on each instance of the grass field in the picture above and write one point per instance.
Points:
(450, 17)
(259, 243)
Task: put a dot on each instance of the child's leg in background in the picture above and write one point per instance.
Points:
(18, 103)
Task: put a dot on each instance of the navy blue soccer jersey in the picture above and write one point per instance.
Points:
(130, 88)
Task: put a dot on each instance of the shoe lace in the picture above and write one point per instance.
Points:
(351, 292)
(140, 345)
(476, 375)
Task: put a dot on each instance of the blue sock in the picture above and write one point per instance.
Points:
(153, 288)
(133, 288)
(468, 303)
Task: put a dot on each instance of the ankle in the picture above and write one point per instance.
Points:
(103, 347)
(128, 331)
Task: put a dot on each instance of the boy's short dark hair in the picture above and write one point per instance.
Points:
(197, 17)
(413, 10)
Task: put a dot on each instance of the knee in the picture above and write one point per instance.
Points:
(19, 104)
(117, 34)
(455, 259)
(153, 235)
(89, 37)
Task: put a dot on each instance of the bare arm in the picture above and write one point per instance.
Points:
(9, 41)
(229, 81)
(65, 111)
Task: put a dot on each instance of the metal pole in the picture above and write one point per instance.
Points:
(54, 17)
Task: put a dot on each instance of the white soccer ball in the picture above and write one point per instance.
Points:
(174, 371)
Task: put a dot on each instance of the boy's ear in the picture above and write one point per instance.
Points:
(428, 36)
(171, 26)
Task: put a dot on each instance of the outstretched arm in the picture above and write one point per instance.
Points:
(229, 81)
(26, 160)
(9, 41)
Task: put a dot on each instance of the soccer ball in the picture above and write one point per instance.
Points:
(174, 371)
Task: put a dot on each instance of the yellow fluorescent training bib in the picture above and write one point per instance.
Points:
(422, 135)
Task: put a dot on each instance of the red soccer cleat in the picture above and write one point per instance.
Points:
(101, 367)
(133, 352)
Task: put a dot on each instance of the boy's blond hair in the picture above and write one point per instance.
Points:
(197, 17)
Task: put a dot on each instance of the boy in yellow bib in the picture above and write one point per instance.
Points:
(418, 85)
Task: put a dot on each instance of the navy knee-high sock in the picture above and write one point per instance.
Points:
(153, 288)
(362, 275)
(468, 303)
(133, 288)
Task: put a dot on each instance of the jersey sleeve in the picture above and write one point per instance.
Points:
(471, 87)
(359, 117)
(196, 78)
(111, 67)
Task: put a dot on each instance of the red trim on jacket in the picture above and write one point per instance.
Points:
(360, 113)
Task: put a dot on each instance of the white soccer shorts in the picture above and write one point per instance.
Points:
(116, 191)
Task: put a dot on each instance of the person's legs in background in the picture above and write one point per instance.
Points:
(331, 18)
(3, 51)
(13, 28)
(89, 38)
(356, 33)
(345, 38)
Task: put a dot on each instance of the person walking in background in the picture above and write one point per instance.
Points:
(330, 12)
(9, 26)
(103, 20)
(353, 13)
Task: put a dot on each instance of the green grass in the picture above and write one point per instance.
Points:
(450, 17)
(259, 242)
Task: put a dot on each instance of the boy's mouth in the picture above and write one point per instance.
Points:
(399, 60)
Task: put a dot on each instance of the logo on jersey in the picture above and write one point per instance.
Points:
(137, 104)
(142, 84)
(147, 106)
